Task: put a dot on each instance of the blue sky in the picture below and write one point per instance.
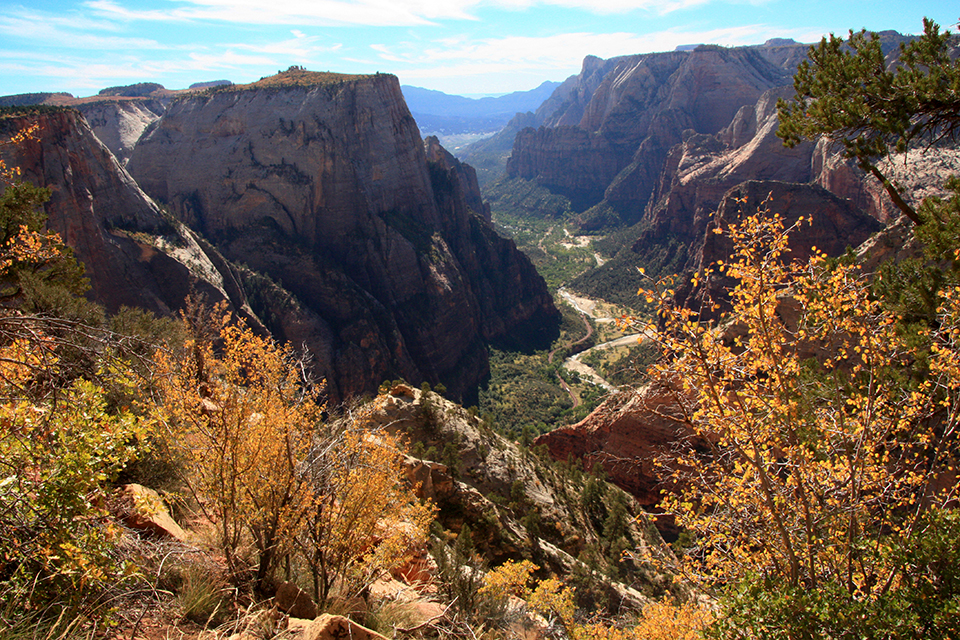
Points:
(464, 47)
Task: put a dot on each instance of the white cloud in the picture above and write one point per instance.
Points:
(606, 7)
(457, 64)
(302, 47)
(371, 13)
(561, 50)
(37, 29)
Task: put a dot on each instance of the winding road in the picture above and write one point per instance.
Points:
(587, 309)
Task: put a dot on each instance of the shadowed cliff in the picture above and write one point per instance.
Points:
(321, 183)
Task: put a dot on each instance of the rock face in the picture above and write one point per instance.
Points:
(629, 113)
(464, 174)
(120, 123)
(834, 225)
(324, 185)
(132, 254)
(700, 172)
(494, 486)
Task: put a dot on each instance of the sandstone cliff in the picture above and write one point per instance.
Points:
(322, 183)
(698, 172)
(120, 123)
(133, 256)
(625, 435)
(633, 116)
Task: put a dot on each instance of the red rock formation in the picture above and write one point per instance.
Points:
(626, 434)
(833, 224)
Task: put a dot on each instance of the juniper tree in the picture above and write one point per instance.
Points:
(849, 92)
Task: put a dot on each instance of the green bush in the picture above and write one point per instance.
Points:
(56, 541)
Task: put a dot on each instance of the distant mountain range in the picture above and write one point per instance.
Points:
(438, 112)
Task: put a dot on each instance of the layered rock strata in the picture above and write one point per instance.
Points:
(633, 116)
(322, 183)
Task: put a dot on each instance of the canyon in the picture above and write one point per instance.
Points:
(311, 204)
(318, 213)
(688, 175)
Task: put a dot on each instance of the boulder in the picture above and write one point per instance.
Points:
(295, 602)
(142, 509)
(331, 627)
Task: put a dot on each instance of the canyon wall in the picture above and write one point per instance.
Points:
(322, 183)
(607, 141)
(133, 255)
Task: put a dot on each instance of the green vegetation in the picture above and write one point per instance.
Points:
(520, 198)
(622, 366)
(847, 91)
(618, 280)
(558, 256)
(524, 390)
(31, 110)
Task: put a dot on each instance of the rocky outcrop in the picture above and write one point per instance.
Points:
(514, 503)
(626, 435)
(322, 183)
(133, 255)
(120, 123)
(832, 225)
(919, 173)
(569, 101)
(699, 173)
(571, 161)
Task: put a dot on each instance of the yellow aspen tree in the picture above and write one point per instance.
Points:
(549, 598)
(657, 621)
(365, 518)
(242, 420)
(821, 454)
